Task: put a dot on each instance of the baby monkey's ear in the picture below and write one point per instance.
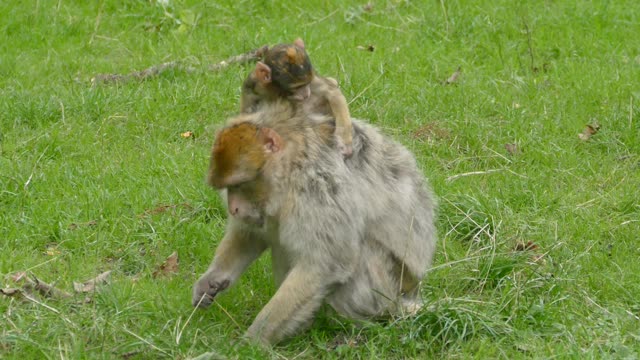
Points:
(262, 73)
(299, 43)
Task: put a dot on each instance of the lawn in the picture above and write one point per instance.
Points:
(533, 149)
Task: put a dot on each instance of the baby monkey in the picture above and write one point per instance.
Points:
(286, 72)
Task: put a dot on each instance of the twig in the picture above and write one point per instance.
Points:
(366, 88)
(179, 336)
(160, 68)
(321, 19)
(26, 184)
(136, 75)
(34, 300)
(446, 17)
(145, 341)
(252, 55)
(47, 290)
(630, 110)
(529, 45)
(229, 315)
(454, 177)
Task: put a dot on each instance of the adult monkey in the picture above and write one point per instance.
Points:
(356, 233)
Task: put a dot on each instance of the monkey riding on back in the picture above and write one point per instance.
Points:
(358, 234)
(285, 72)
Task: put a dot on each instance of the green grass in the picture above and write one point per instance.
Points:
(533, 75)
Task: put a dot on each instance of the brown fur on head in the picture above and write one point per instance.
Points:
(290, 65)
(239, 154)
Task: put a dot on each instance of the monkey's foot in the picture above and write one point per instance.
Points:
(411, 307)
(345, 149)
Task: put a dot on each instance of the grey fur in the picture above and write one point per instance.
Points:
(342, 231)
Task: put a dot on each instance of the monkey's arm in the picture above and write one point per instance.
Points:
(323, 252)
(292, 306)
(237, 250)
(340, 111)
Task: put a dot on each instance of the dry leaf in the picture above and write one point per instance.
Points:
(454, 77)
(187, 134)
(512, 149)
(130, 354)
(430, 131)
(163, 208)
(46, 290)
(19, 276)
(529, 245)
(11, 292)
(52, 250)
(589, 131)
(344, 341)
(90, 285)
(370, 48)
(168, 267)
(74, 226)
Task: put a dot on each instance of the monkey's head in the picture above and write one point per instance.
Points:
(239, 154)
(288, 67)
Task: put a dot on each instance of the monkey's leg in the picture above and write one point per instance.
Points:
(292, 306)
(237, 250)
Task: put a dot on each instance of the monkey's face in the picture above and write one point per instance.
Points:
(291, 69)
(246, 202)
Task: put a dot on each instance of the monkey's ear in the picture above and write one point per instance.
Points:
(262, 73)
(271, 140)
(299, 43)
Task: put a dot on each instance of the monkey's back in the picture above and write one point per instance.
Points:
(380, 182)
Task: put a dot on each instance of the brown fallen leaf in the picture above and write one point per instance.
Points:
(46, 290)
(589, 131)
(522, 246)
(430, 131)
(52, 250)
(346, 341)
(90, 285)
(512, 149)
(530, 246)
(19, 276)
(11, 292)
(168, 267)
(163, 208)
(130, 354)
(187, 134)
(454, 77)
(370, 48)
(74, 226)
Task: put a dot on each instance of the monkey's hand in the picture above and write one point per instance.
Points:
(206, 288)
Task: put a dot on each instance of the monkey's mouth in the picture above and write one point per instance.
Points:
(255, 220)
(301, 94)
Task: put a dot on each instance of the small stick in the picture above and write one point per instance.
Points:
(252, 55)
(454, 177)
(136, 75)
(156, 70)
